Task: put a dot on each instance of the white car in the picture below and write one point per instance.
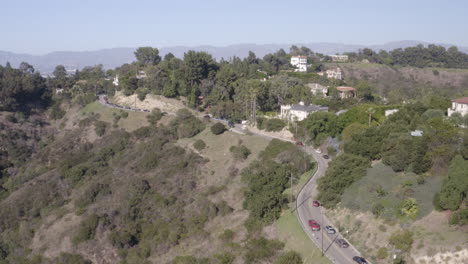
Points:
(330, 230)
(318, 151)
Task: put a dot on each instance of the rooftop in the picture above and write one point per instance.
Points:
(463, 100)
(345, 88)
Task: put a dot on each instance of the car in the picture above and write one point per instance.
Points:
(342, 243)
(231, 124)
(318, 151)
(299, 143)
(206, 117)
(314, 225)
(330, 230)
(325, 156)
(359, 260)
(316, 203)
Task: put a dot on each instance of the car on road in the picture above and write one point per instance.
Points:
(231, 124)
(359, 260)
(342, 243)
(318, 151)
(314, 225)
(325, 156)
(316, 203)
(299, 143)
(330, 230)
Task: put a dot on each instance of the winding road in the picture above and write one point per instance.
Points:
(304, 209)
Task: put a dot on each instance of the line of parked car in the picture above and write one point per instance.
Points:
(315, 226)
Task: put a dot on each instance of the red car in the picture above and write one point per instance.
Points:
(316, 203)
(314, 225)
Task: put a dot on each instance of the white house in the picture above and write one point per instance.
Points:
(345, 92)
(459, 105)
(300, 62)
(141, 75)
(390, 112)
(339, 58)
(318, 89)
(116, 80)
(298, 112)
(332, 73)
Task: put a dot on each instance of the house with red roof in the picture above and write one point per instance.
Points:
(345, 92)
(459, 105)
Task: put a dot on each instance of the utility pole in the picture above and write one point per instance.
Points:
(291, 194)
(323, 224)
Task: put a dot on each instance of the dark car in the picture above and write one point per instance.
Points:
(359, 260)
(316, 203)
(299, 143)
(325, 156)
(206, 117)
(342, 243)
(231, 124)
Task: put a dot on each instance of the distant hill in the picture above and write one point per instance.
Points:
(111, 58)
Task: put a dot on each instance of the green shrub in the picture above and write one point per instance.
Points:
(199, 145)
(100, 128)
(382, 253)
(227, 236)
(261, 123)
(240, 152)
(218, 128)
(56, 112)
(402, 240)
(87, 230)
(186, 124)
(377, 209)
(224, 258)
(460, 217)
(154, 116)
(290, 257)
(70, 259)
(274, 124)
(261, 249)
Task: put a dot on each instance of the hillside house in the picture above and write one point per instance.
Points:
(339, 58)
(390, 112)
(299, 112)
(332, 73)
(300, 62)
(141, 75)
(318, 89)
(345, 92)
(460, 106)
(116, 80)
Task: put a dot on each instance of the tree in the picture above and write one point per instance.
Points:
(198, 65)
(147, 56)
(218, 128)
(60, 72)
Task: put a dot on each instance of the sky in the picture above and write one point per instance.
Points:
(38, 27)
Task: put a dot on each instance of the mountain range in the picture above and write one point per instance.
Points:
(111, 58)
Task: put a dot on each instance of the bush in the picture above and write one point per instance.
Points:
(377, 209)
(186, 124)
(155, 116)
(70, 259)
(274, 124)
(56, 112)
(218, 128)
(259, 249)
(199, 145)
(402, 240)
(382, 253)
(100, 128)
(460, 217)
(290, 257)
(240, 152)
(87, 229)
(260, 123)
(227, 236)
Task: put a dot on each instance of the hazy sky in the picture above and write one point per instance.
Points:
(41, 26)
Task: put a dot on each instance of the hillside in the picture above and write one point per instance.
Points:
(403, 83)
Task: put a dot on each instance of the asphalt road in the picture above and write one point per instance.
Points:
(305, 212)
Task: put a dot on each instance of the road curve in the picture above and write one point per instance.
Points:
(305, 212)
(304, 209)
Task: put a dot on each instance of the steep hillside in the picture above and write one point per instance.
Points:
(399, 83)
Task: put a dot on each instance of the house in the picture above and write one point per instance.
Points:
(116, 80)
(59, 91)
(416, 133)
(460, 106)
(298, 112)
(345, 92)
(300, 62)
(339, 58)
(318, 89)
(390, 112)
(332, 73)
